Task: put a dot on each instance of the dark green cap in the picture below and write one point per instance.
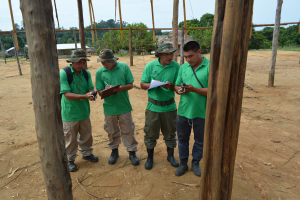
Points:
(106, 55)
(77, 55)
(165, 48)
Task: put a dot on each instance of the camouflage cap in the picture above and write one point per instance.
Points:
(77, 55)
(106, 56)
(165, 48)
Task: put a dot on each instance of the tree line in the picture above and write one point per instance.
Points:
(143, 39)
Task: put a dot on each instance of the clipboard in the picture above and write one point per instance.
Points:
(108, 92)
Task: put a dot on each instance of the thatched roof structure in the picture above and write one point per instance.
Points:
(168, 38)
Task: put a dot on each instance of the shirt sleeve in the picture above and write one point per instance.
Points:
(128, 75)
(99, 81)
(179, 77)
(146, 78)
(90, 82)
(64, 84)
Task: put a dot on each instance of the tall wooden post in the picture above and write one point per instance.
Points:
(225, 93)
(4, 54)
(184, 14)
(153, 20)
(121, 22)
(16, 53)
(94, 21)
(130, 46)
(175, 28)
(75, 39)
(81, 27)
(56, 14)
(181, 49)
(92, 31)
(275, 44)
(40, 34)
(13, 25)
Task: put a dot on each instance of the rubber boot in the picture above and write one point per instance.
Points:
(113, 156)
(195, 167)
(149, 162)
(132, 157)
(171, 158)
(182, 168)
(72, 166)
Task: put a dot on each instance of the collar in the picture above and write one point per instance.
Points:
(72, 70)
(116, 67)
(204, 62)
(159, 64)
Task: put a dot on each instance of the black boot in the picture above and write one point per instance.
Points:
(196, 168)
(149, 162)
(72, 166)
(132, 157)
(171, 158)
(182, 168)
(113, 156)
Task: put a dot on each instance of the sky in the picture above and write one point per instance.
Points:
(135, 11)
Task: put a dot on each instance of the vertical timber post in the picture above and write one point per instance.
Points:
(16, 53)
(41, 40)
(184, 14)
(181, 49)
(75, 39)
(81, 27)
(130, 46)
(175, 28)
(275, 44)
(13, 25)
(121, 22)
(225, 93)
(92, 31)
(151, 1)
(4, 54)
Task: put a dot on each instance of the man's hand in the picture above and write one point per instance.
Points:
(88, 96)
(108, 86)
(167, 86)
(120, 89)
(188, 88)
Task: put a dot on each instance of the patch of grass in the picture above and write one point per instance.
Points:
(11, 60)
(290, 48)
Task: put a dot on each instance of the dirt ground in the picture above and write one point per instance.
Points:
(267, 165)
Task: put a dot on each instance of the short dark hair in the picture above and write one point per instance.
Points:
(191, 46)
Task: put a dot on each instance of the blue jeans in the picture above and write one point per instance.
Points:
(184, 127)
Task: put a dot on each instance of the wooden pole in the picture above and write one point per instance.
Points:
(130, 46)
(90, 9)
(56, 14)
(299, 27)
(75, 39)
(115, 10)
(94, 21)
(44, 69)
(175, 28)
(184, 19)
(275, 44)
(153, 20)
(181, 49)
(225, 94)
(16, 53)
(3, 50)
(81, 27)
(13, 24)
(251, 21)
(121, 22)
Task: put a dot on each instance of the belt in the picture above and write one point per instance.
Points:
(161, 103)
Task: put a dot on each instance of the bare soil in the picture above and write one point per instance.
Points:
(267, 165)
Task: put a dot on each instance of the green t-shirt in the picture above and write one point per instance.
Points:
(156, 71)
(193, 105)
(75, 110)
(118, 103)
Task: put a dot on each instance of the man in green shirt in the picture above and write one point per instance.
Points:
(117, 107)
(191, 83)
(161, 111)
(76, 87)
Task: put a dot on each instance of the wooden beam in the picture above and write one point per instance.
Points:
(121, 22)
(44, 69)
(130, 46)
(94, 21)
(75, 39)
(275, 44)
(56, 14)
(175, 28)
(81, 27)
(16, 53)
(181, 47)
(184, 14)
(92, 31)
(3, 50)
(13, 24)
(225, 94)
(153, 20)
(251, 21)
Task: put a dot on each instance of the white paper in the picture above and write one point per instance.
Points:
(155, 84)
